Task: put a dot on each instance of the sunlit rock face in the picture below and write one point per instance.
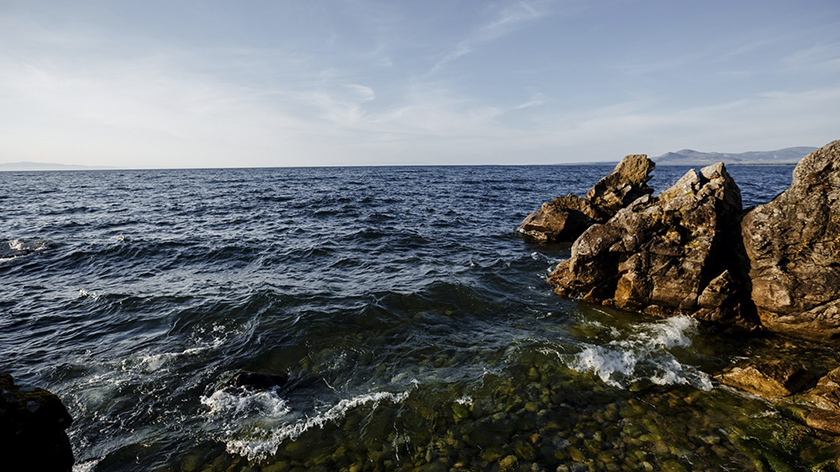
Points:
(678, 253)
(565, 218)
(793, 244)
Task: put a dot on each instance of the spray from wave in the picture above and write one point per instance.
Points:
(644, 355)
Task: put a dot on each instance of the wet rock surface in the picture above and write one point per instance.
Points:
(774, 379)
(565, 218)
(673, 254)
(793, 244)
(826, 394)
(32, 429)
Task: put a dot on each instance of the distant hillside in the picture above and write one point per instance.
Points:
(28, 166)
(688, 157)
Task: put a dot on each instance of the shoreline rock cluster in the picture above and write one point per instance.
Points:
(693, 250)
(566, 218)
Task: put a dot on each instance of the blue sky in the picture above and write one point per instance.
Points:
(356, 82)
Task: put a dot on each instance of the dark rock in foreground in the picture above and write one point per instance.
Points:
(674, 254)
(32, 424)
(793, 244)
(565, 218)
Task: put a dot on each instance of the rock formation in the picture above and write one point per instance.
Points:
(793, 244)
(826, 394)
(32, 424)
(772, 380)
(565, 218)
(677, 253)
(626, 183)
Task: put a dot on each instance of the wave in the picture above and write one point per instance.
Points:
(21, 247)
(644, 356)
(253, 425)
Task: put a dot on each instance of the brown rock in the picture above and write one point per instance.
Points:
(793, 244)
(677, 253)
(562, 219)
(773, 379)
(826, 394)
(626, 183)
(565, 218)
(826, 420)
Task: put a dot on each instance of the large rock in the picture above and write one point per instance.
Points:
(626, 183)
(793, 244)
(565, 218)
(678, 253)
(32, 424)
(562, 219)
(774, 379)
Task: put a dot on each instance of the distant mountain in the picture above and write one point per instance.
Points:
(28, 166)
(688, 157)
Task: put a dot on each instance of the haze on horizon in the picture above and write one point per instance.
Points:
(360, 82)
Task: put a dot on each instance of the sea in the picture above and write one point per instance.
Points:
(410, 323)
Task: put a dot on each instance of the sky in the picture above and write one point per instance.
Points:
(250, 83)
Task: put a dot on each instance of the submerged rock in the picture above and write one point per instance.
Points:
(825, 420)
(565, 218)
(32, 424)
(674, 254)
(826, 394)
(793, 244)
(774, 379)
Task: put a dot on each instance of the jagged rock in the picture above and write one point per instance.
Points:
(826, 394)
(562, 219)
(774, 379)
(793, 244)
(626, 183)
(677, 253)
(826, 420)
(32, 424)
(565, 218)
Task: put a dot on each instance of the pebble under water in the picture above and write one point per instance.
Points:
(414, 325)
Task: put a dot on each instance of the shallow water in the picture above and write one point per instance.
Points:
(414, 324)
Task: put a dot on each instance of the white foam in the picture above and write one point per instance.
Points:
(22, 245)
(265, 403)
(87, 466)
(466, 400)
(85, 294)
(644, 356)
(261, 437)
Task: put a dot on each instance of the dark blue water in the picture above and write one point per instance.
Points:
(414, 324)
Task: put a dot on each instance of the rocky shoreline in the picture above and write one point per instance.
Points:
(693, 250)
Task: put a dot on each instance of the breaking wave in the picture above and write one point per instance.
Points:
(644, 355)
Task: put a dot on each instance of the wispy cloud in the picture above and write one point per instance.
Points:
(504, 21)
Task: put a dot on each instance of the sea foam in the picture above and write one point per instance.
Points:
(253, 425)
(644, 355)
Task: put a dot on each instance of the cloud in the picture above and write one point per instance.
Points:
(536, 100)
(503, 21)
